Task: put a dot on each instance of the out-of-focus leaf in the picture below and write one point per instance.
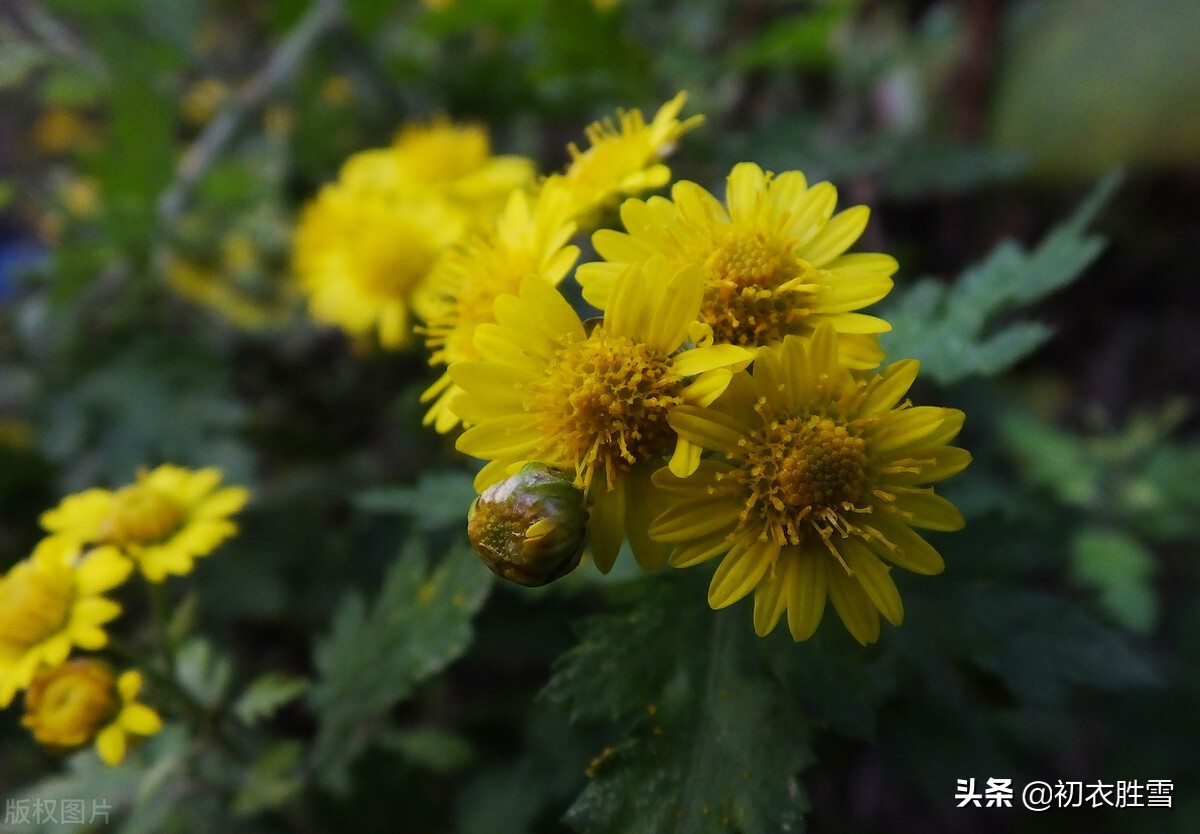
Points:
(1085, 88)
(203, 672)
(267, 694)
(1037, 644)
(433, 748)
(716, 744)
(1120, 568)
(1162, 497)
(437, 501)
(932, 168)
(955, 329)
(107, 794)
(1053, 459)
(152, 404)
(373, 658)
(273, 780)
(802, 40)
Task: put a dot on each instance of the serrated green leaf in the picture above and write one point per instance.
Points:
(437, 501)
(267, 694)
(717, 745)
(1037, 644)
(373, 658)
(1120, 568)
(955, 331)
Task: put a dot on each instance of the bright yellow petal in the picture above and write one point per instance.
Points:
(708, 428)
(903, 547)
(110, 744)
(697, 519)
(924, 509)
(740, 571)
(859, 615)
(874, 577)
(139, 719)
(838, 235)
(607, 523)
(699, 360)
(806, 590)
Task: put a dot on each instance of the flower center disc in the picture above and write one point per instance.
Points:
(144, 515)
(391, 266)
(742, 300)
(33, 605)
(605, 402)
(802, 468)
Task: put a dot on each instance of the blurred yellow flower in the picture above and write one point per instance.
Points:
(164, 521)
(773, 263)
(624, 158)
(70, 705)
(61, 130)
(591, 401)
(81, 196)
(52, 601)
(530, 238)
(202, 100)
(452, 160)
(822, 479)
(361, 253)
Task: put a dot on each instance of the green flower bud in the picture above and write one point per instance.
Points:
(529, 528)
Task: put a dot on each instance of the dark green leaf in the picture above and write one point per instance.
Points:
(373, 658)
(957, 330)
(716, 744)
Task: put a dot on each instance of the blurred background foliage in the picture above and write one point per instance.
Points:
(154, 156)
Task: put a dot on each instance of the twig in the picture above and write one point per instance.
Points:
(323, 16)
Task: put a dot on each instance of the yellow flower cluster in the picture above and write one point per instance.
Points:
(368, 241)
(729, 403)
(57, 600)
(438, 226)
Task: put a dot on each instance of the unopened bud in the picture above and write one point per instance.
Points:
(529, 528)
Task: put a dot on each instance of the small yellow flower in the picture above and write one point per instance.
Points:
(70, 705)
(202, 100)
(61, 130)
(163, 522)
(133, 719)
(361, 252)
(593, 402)
(530, 238)
(624, 158)
(454, 161)
(52, 601)
(823, 479)
(773, 262)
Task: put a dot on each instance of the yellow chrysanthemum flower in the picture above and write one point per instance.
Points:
(824, 479)
(530, 238)
(593, 402)
(361, 253)
(69, 705)
(624, 158)
(52, 601)
(773, 263)
(454, 161)
(165, 521)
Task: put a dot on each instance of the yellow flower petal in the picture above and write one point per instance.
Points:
(740, 571)
(110, 744)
